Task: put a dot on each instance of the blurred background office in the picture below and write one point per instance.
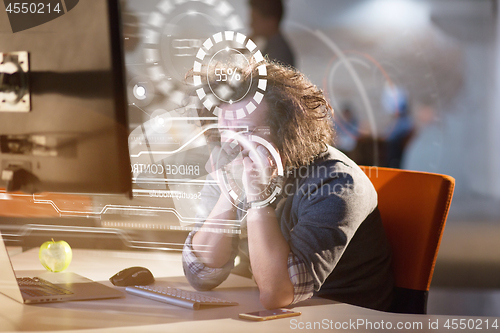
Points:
(414, 84)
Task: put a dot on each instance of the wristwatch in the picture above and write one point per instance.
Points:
(266, 197)
(274, 189)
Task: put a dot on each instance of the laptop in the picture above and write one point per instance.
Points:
(47, 287)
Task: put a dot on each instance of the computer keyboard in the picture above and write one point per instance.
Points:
(39, 287)
(187, 299)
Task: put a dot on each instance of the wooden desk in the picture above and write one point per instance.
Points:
(135, 314)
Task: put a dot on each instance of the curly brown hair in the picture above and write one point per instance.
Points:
(299, 117)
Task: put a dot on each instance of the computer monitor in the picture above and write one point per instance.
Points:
(168, 152)
(63, 108)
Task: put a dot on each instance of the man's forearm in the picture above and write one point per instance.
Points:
(215, 248)
(268, 257)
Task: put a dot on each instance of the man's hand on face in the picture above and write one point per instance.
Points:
(248, 161)
(221, 157)
(258, 170)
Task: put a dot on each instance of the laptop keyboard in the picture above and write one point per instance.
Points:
(179, 297)
(36, 287)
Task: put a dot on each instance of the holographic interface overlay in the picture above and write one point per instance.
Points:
(229, 160)
(161, 41)
(176, 30)
(172, 190)
(218, 74)
(169, 169)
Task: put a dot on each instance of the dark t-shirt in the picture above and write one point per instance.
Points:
(332, 223)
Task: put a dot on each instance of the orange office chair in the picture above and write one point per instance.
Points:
(414, 206)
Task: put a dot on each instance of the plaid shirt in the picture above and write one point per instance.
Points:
(302, 281)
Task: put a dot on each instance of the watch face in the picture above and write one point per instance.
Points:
(232, 175)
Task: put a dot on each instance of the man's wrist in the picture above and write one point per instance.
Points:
(253, 204)
(226, 202)
(259, 204)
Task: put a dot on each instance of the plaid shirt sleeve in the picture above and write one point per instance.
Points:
(303, 284)
(195, 265)
(302, 281)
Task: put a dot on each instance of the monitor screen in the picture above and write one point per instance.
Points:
(75, 101)
(63, 108)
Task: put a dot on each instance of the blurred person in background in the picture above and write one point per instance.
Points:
(265, 21)
(347, 130)
(396, 102)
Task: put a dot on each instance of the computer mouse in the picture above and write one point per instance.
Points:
(132, 276)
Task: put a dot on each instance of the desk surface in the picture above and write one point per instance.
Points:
(135, 314)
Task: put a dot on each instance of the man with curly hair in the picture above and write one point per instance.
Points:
(323, 235)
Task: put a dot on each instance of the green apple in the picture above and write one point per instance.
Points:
(55, 256)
